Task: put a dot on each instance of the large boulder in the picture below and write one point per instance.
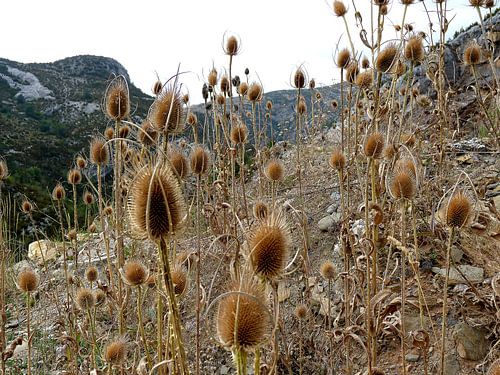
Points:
(43, 249)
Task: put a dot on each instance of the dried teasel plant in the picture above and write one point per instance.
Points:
(116, 99)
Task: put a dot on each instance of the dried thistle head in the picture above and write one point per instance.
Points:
(301, 106)
(301, 312)
(269, 245)
(85, 299)
(386, 58)
(117, 102)
(156, 206)
(109, 133)
(254, 93)
(364, 79)
(99, 297)
(232, 46)
(212, 78)
(26, 207)
(134, 273)
(58, 193)
(260, 210)
(88, 198)
(414, 49)
(147, 135)
(224, 84)
(365, 63)
(472, 54)
(312, 84)
(299, 79)
(157, 86)
(476, 3)
(269, 105)
(27, 280)
(243, 88)
(458, 210)
(351, 71)
(115, 352)
(337, 160)
(167, 111)
(200, 160)
(334, 104)
(192, 120)
(74, 176)
(242, 317)
(390, 151)
(99, 153)
(239, 134)
(81, 163)
(91, 274)
(374, 145)
(343, 58)
(274, 170)
(339, 8)
(403, 184)
(220, 99)
(328, 270)
(179, 163)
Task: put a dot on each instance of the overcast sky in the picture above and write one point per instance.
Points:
(147, 36)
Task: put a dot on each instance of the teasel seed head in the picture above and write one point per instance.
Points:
(81, 163)
(74, 177)
(224, 85)
(301, 106)
(339, 8)
(242, 318)
(134, 273)
(99, 297)
(204, 92)
(58, 193)
(364, 79)
(328, 270)
(147, 135)
(92, 228)
(117, 100)
(88, 198)
(459, 210)
(312, 84)
(274, 170)
(156, 206)
(192, 120)
(124, 131)
(424, 101)
(414, 49)
(157, 86)
(386, 58)
(343, 58)
(384, 10)
(337, 160)
(365, 63)
(243, 88)
(301, 312)
(220, 99)
(99, 153)
(269, 245)
(115, 353)
(91, 274)
(476, 3)
(108, 211)
(85, 299)
(72, 235)
(27, 280)
(334, 104)
(167, 112)
(200, 160)
(232, 46)
(109, 133)
(351, 72)
(374, 145)
(489, 4)
(260, 210)
(472, 54)
(26, 207)
(179, 278)
(299, 79)
(254, 93)
(403, 184)
(212, 78)
(179, 163)
(239, 134)
(269, 105)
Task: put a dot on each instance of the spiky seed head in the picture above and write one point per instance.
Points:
(312, 84)
(424, 101)
(254, 93)
(58, 193)
(27, 280)
(212, 78)
(204, 91)
(364, 79)
(328, 270)
(85, 299)
(74, 177)
(124, 131)
(91, 273)
(147, 135)
(301, 312)
(274, 170)
(269, 245)
(351, 72)
(260, 210)
(185, 98)
(302, 106)
(4, 170)
(192, 120)
(109, 133)
(374, 145)
(365, 63)
(156, 206)
(384, 10)
(343, 58)
(242, 317)
(491, 4)
(337, 160)
(220, 99)
(26, 206)
(339, 8)
(414, 49)
(99, 154)
(232, 46)
(386, 58)
(157, 86)
(115, 352)
(179, 163)
(472, 54)
(334, 104)
(476, 3)
(407, 165)
(200, 160)
(408, 139)
(134, 273)
(167, 111)
(407, 2)
(92, 228)
(88, 198)
(108, 211)
(243, 88)
(269, 105)
(299, 79)
(318, 95)
(224, 84)
(99, 297)
(81, 163)
(117, 101)
(403, 184)
(458, 210)
(72, 235)
(239, 134)
(179, 278)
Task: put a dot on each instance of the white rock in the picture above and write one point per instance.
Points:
(473, 274)
(325, 223)
(43, 249)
